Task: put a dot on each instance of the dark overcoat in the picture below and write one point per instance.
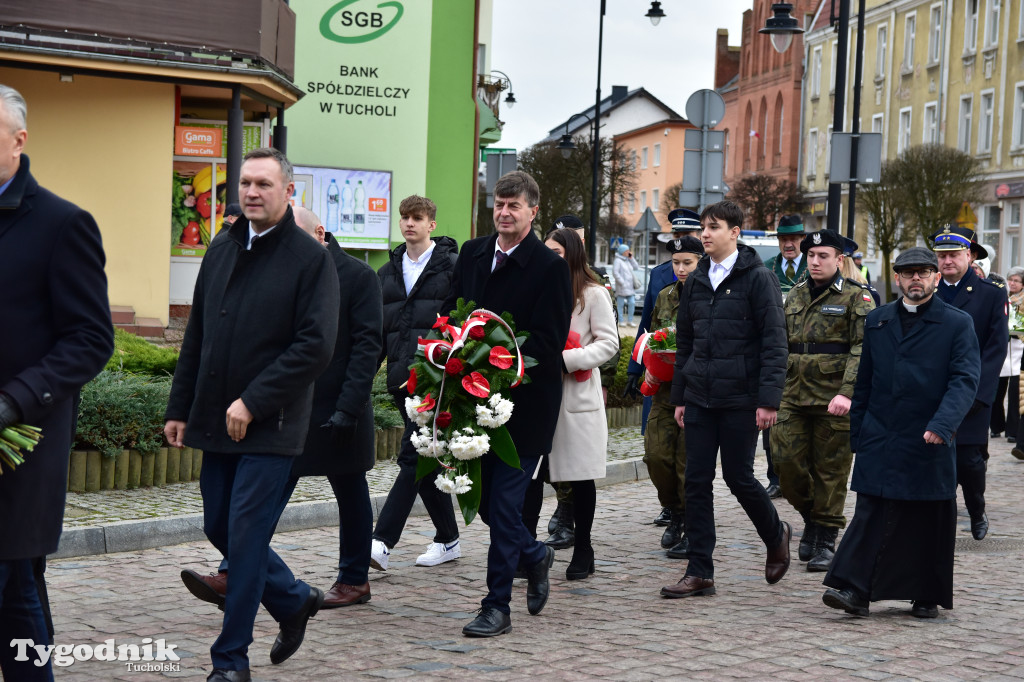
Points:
(906, 385)
(262, 328)
(533, 286)
(56, 336)
(345, 384)
(987, 305)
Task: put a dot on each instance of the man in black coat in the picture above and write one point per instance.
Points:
(512, 271)
(262, 329)
(57, 336)
(729, 376)
(416, 280)
(986, 303)
(340, 442)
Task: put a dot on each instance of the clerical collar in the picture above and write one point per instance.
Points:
(909, 307)
(918, 308)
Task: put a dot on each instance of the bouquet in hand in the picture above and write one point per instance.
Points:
(457, 386)
(16, 439)
(1016, 320)
(656, 351)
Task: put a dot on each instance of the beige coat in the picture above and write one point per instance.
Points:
(580, 447)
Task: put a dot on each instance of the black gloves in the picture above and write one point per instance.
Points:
(632, 386)
(9, 413)
(342, 429)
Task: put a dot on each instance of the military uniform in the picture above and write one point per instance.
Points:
(810, 447)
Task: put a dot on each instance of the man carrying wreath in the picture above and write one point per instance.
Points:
(512, 271)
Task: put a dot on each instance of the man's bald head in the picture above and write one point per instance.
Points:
(309, 223)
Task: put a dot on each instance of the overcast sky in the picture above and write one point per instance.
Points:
(549, 50)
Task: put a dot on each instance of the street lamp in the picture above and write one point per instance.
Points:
(510, 98)
(655, 13)
(781, 24)
(566, 144)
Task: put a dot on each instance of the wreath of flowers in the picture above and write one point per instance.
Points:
(457, 386)
(656, 351)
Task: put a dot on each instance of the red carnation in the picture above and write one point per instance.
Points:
(444, 419)
(660, 335)
(411, 384)
(427, 405)
(501, 358)
(454, 366)
(477, 333)
(476, 384)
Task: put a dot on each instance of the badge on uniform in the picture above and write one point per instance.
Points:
(833, 309)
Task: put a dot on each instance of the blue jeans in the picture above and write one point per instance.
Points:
(21, 617)
(629, 304)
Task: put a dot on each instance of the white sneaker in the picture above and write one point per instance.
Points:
(439, 553)
(379, 554)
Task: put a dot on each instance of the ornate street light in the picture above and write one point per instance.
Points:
(782, 26)
(567, 145)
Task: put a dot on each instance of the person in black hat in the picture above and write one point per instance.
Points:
(955, 248)
(232, 212)
(918, 375)
(811, 439)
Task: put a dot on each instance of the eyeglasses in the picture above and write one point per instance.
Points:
(923, 273)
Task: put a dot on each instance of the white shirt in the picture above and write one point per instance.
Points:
(494, 260)
(719, 271)
(412, 269)
(795, 261)
(253, 234)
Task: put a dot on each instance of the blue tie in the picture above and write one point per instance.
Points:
(500, 258)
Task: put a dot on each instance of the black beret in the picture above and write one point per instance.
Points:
(685, 244)
(824, 237)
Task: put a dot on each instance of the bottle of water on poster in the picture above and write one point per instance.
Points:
(333, 198)
(346, 207)
(359, 214)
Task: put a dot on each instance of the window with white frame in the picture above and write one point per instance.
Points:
(657, 155)
(1018, 116)
(971, 26)
(655, 199)
(828, 150)
(880, 45)
(1020, 19)
(622, 203)
(903, 139)
(935, 34)
(643, 200)
(643, 157)
(992, 23)
(909, 37)
(833, 65)
(964, 124)
(632, 163)
(877, 122)
(931, 123)
(632, 202)
(816, 72)
(812, 152)
(1014, 219)
(985, 122)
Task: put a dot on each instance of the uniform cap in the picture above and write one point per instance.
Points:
(824, 237)
(683, 219)
(957, 238)
(569, 221)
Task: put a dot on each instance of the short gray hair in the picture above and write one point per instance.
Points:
(277, 155)
(14, 105)
(1017, 272)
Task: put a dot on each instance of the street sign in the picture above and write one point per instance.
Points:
(489, 151)
(498, 165)
(693, 139)
(712, 174)
(869, 158)
(691, 198)
(647, 222)
(705, 108)
(966, 217)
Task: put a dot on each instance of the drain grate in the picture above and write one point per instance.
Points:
(989, 545)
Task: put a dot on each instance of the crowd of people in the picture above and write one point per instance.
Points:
(287, 331)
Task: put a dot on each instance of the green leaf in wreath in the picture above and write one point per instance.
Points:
(504, 447)
(469, 502)
(424, 465)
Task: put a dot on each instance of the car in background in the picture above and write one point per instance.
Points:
(765, 243)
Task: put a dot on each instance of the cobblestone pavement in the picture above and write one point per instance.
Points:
(612, 626)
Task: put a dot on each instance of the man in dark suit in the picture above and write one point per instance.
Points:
(986, 303)
(512, 271)
(58, 337)
(340, 442)
(262, 329)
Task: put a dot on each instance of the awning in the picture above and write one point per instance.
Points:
(490, 126)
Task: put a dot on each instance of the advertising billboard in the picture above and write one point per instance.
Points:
(354, 206)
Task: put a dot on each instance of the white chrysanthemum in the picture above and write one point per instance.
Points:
(499, 412)
(420, 418)
(410, 405)
(423, 441)
(469, 447)
(462, 484)
(445, 485)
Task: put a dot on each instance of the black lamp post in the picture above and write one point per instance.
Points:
(510, 98)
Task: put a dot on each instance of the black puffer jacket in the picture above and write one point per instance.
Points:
(731, 343)
(407, 318)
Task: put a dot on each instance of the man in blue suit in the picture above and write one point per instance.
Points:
(986, 303)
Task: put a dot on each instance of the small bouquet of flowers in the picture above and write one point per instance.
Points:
(656, 351)
(455, 385)
(1016, 321)
(13, 440)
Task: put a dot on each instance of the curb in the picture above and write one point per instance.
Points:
(131, 536)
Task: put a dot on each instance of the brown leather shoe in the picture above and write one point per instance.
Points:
(341, 594)
(778, 557)
(210, 588)
(689, 586)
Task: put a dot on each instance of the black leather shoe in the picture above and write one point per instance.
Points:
(563, 516)
(774, 491)
(664, 518)
(847, 600)
(680, 550)
(1017, 452)
(293, 629)
(489, 623)
(1011, 439)
(979, 527)
(538, 585)
(562, 538)
(674, 532)
(222, 675)
(924, 609)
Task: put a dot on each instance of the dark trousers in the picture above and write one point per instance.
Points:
(501, 508)
(21, 617)
(1005, 420)
(734, 432)
(766, 440)
(241, 506)
(402, 495)
(971, 463)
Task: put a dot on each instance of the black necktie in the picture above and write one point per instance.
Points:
(252, 242)
(500, 258)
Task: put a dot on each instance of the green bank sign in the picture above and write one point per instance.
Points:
(343, 23)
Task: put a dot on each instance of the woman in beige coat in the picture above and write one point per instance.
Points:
(580, 446)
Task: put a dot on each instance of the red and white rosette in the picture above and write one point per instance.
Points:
(659, 365)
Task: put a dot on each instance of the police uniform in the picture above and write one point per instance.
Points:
(810, 447)
(664, 441)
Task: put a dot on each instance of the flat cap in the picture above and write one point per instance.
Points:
(916, 257)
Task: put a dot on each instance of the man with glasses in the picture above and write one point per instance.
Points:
(918, 375)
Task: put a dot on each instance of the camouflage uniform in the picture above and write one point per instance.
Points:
(810, 447)
(664, 444)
